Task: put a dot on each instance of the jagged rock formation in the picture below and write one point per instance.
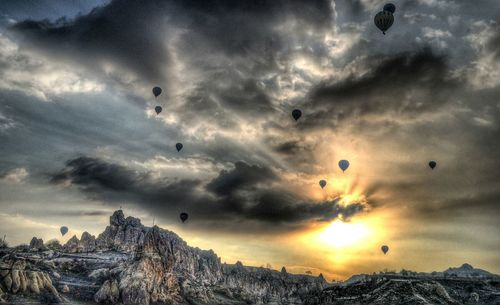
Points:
(122, 234)
(263, 286)
(130, 264)
(36, 244)
(71, 245)
(165, 269)
(18, 276)
(380, 290)
(54, 245)
(87, 242)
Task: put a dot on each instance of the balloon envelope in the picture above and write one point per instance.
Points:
(322, 183)
(178, 146)
(432, 164)
(389, 7)
(384, 249)
(343, 164)
(64, 230)
(296, 114)
(156, 91)
(158, 109)
(383, 20)
(183, 216)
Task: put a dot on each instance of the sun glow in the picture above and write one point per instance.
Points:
(341, 234)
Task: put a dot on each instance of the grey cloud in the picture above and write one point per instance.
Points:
(242, 194)
(136, 33)
(242, 176)
(384, 89)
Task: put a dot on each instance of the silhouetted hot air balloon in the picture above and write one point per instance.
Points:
(384, 20)
(389, 7)
(432, 164)
(343, 164)
(158, 109)
(183, 216)
(63, 230)
(384, 249)
(322, 183)
(179, 146)
(296, 114)
(156, 91)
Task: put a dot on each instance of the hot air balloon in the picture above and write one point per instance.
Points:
(179, 146)
(343, 164)
(384, 20)
(432, 164)
(183, 216)
(296, 114)
(384, 249)
(156, 91)
(158, 109)
(322, 183)
(63, 230)
(389, 7)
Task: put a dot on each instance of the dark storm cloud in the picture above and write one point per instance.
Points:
(289, 147)
(46, 9)
(242, 176)
(243, 194)
(91, 174)
(135, 33)
(385, 88)
(118, 31)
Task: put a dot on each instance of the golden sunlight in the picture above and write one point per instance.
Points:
(341, 234)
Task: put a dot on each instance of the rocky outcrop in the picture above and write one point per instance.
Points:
(72, 245)
(87, 243)
(54, 245)
(264, 286)
(166, 270)
(19, 277)
(36, 244)
(108, 294)
(123, 234)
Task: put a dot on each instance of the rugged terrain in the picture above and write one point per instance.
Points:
(132, 264)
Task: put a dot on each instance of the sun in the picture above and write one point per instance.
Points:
(341, 234)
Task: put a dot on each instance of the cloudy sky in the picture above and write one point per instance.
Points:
(79, 137)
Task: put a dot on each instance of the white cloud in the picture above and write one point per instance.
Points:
(16, 175)
(6, 123)
(484, 72)
(442, 4)
(33, 75)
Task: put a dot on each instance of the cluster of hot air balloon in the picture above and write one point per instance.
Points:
(156, 92)
(344, 164)
(383, 21)
(385, 18)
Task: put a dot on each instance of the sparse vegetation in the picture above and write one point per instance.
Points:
(3, 243)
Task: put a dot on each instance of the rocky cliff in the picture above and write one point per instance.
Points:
(165, 269)
(122, 234)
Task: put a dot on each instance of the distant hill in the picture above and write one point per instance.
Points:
(467, 270)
